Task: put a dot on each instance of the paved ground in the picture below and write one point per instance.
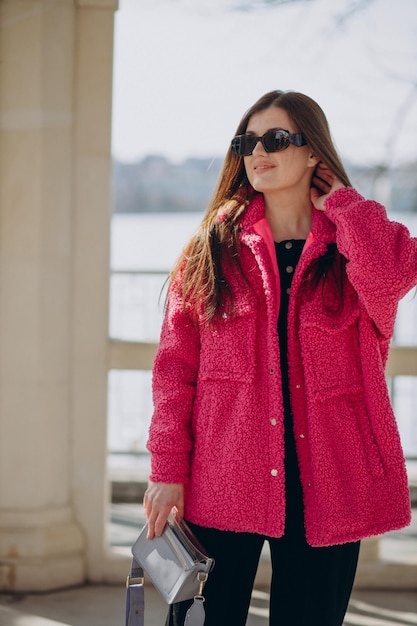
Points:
(104, 606)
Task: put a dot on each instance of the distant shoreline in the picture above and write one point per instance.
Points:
(156, 185)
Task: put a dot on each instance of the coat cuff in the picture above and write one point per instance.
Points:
(169, 468)
(340, 200)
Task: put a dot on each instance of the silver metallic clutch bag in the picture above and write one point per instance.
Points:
(176, 563)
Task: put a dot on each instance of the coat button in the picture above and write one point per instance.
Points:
(298, 386)
(274, 472)
(302, 436)
(273, 421)
(271, 370)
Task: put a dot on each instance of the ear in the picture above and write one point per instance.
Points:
(313, 160)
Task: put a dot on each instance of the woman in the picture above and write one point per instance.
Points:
(272, 419)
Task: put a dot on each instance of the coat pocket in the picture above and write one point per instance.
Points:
(346, 450)
(330, 350)
(228, 348)
(366, 437)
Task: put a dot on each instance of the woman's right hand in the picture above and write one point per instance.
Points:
(159, 500)
(324, 182)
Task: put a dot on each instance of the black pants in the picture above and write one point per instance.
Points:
(309, 587)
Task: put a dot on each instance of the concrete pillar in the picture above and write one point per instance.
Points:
(91, 263)
(52, 164)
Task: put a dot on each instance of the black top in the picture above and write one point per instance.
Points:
(288, 254)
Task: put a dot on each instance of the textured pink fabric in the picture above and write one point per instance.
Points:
(218, 420)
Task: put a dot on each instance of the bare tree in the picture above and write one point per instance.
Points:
(350, 8)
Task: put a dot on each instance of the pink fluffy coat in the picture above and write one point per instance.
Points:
(218, 420)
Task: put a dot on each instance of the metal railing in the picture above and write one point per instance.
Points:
(140, 288)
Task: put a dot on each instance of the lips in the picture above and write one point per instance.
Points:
(262, 167)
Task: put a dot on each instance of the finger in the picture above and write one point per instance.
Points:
(151, 512)
(178, 512)
(157, 520)
(145, 504)
(151, 532)
(161, 520)
(317, 198)
(314, 194)
(147, 508)
(151, 525)
(322, 181)
(325, 175)
(337, 184)
(324, 169)
(180, 509)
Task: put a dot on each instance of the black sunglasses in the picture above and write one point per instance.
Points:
(273, 141)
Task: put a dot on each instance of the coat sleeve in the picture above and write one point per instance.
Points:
(381, 254)
(174, 381)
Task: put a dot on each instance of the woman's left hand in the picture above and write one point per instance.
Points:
(323, 183)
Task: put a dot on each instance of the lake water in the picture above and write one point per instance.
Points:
(144, 248)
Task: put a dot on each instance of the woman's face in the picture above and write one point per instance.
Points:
(277, 171)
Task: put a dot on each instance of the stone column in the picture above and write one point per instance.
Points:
(91, 263)
(44, 182)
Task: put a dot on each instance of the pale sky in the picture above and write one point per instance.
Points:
(185, 71)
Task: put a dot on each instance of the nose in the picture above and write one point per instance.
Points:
(259, 147)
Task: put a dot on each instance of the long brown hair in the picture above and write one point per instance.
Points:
(202, 260)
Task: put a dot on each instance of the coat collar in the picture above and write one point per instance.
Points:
(322, 229)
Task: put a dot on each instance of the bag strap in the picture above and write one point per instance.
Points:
(195, 614)
(135, 596)
(135, 599)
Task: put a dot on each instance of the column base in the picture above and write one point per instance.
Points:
(42, 555)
